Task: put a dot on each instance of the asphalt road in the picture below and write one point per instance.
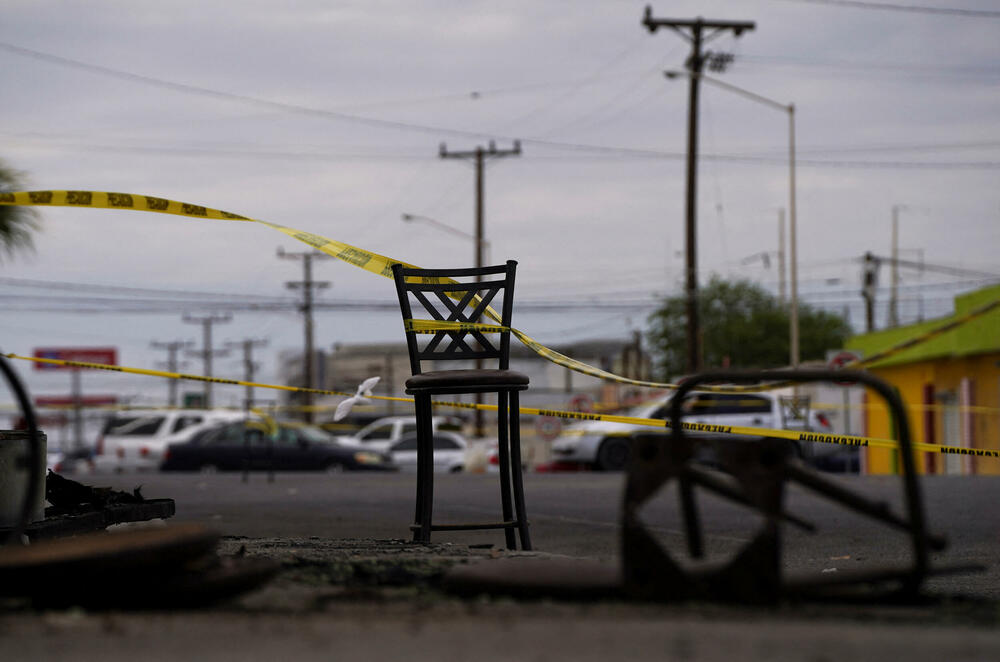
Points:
(578, 515)
(571, 514)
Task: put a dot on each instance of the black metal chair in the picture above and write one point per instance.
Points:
(464, 302)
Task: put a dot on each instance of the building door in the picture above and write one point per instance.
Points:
(950, 430)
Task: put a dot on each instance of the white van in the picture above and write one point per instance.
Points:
(380, 434)
(605, 445)
(134, 440)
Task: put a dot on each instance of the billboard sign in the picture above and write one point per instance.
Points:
(69, 400)
(101, 355)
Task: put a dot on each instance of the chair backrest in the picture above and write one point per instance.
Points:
(464, 301)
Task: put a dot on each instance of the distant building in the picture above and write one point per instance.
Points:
(951, 384)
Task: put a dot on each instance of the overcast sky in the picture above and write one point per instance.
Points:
(327, 117)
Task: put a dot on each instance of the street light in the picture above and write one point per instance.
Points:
(793, 317)
(483, 243)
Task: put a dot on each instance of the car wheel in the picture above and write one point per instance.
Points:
(457, 470)
(208, 469)
(613, 454)
(334, 468)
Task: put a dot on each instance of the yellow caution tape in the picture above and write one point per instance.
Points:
(438, 326)
(359, 257)
(382, 265)
(821, 437)
(172, 375)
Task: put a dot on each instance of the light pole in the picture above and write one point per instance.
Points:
(793, 316)
(894, 297)
(482, 245)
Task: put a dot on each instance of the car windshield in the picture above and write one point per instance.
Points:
(134, 425)
(315, 435)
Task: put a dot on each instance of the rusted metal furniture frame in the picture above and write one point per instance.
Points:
(34, 455)
(465, 302)
(761, 470)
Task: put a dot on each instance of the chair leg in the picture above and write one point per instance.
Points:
(425, 469)
(503, 451)
(515, 459)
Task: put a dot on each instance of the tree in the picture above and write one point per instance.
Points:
(743, 326)
(16, 223)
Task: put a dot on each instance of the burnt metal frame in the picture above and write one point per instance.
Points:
(34, 448)
(761, 470)
(456, 298)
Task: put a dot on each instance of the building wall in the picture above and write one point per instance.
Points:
(952, 401)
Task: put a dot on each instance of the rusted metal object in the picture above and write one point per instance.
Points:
(759, 471)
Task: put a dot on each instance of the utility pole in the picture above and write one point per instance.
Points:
(249, 366)
(695, 32)
(207, 352)
(478, 156)
(781, 256)
(172, 364)
(894, 292)
(307, 285)
(869, 283)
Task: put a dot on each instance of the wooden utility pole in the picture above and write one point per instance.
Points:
(307, 285)
(249, 366)
(695, 32)
(207, 352)
(171, 364)
(869, 284)
(479, 156)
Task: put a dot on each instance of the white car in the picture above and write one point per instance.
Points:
(605, 445)
(380, 434)
(449, 452)
(135, 440)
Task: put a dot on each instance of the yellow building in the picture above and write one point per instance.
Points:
(950, 384)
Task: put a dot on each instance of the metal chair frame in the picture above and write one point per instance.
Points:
(464, 302)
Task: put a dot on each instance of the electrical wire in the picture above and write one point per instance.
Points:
(919, 9)
(874, 68)
(409, 126)
(120, 289)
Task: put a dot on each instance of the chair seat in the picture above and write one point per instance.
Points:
(466, 381)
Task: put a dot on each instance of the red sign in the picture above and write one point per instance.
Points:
(841, 360)
(101, 355)
(68, 401)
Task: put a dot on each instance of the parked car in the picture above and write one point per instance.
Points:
(251, 445)
(493, 458)
(381, 434)
(75, 461)
(449, 452)
(135, 440)
(605, 445)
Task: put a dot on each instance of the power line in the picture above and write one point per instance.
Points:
(869, 68)
(392, 124)
(589, 152)
(231, 96)
(95, 287)
(919, 9)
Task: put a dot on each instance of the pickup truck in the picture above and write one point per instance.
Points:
(605, 446)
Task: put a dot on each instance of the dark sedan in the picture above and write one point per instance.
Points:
(242, 445)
